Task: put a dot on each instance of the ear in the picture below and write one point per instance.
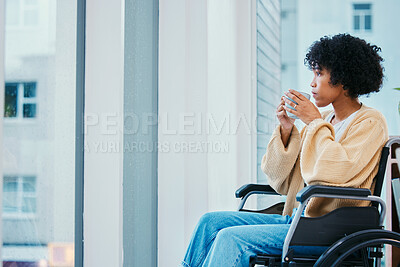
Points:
(346, 91)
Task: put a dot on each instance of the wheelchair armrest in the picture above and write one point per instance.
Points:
(247, 188)
(308, 191)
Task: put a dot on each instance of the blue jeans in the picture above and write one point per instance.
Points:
(232, 238)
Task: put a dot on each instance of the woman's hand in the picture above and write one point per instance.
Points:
(286, 122)
(305, 109)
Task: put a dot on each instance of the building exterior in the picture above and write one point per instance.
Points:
(38, 169)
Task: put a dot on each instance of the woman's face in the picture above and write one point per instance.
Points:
(322, 91)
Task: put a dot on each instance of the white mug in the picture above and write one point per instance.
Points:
(290, 115)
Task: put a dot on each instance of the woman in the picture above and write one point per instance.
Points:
(337, 148)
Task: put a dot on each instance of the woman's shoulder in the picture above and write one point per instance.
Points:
(373, 117)
(366, 112)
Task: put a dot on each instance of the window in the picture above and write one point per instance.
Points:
(39, 63)
(22, 12)
(362, 18)
(31, 12)
(19, 195)
(268, 74)
(20, 100)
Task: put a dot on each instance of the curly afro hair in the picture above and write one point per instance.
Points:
(351, 61)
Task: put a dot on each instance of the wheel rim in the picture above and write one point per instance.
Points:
(346, 246)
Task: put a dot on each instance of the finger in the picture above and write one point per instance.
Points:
(282, 114)
(292, 96)
(290, 103)
(287, 109)
(281, 108)
(296, 94)
(280, 111)
(282, 102)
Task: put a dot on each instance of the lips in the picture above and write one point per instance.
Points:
(313, 94)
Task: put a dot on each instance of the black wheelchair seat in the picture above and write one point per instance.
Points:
(327, 229)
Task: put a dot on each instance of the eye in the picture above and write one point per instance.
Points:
(318, 73)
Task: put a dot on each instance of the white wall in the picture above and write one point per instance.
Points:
(204, 71)
(171, 198)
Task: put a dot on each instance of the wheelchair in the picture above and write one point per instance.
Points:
(354, 236)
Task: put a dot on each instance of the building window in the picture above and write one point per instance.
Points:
(362, 18)
(31, 12)
(19, 195)
(22, 13)
(20, 100)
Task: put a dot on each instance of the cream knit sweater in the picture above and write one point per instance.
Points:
(313, 157)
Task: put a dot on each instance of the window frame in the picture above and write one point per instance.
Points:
(21, 194)
(22, 8)
(362, 13)
(21, 100)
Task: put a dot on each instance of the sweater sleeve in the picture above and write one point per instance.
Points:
(278, 161)
(326, 162)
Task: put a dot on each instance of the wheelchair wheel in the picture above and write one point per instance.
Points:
(367, 242)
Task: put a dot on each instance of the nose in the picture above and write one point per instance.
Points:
(313, 84)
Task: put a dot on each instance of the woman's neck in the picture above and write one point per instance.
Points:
(343, 109)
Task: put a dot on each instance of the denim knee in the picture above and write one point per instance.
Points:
(205, 218)
(205, 221)
(211, 220)
(226, 237)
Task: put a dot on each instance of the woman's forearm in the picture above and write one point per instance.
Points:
(285, 135)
